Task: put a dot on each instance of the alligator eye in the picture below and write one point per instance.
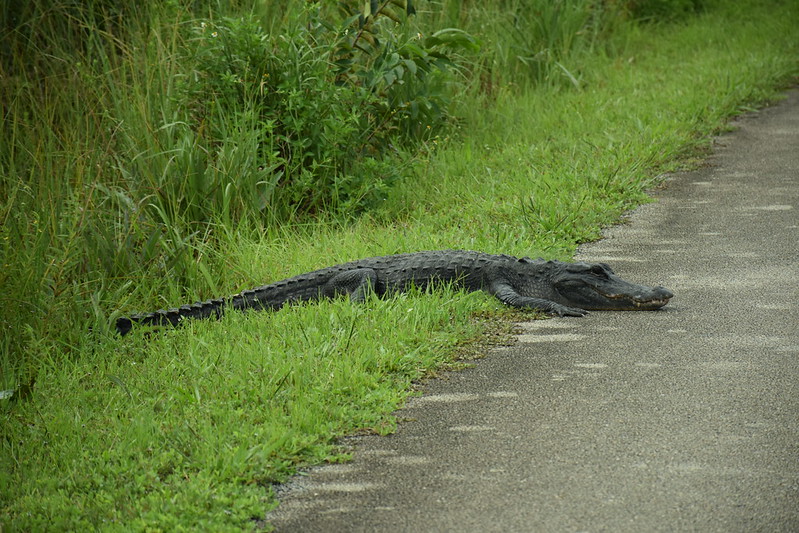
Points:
(599, 270)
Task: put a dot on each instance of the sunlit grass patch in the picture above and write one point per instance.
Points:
(206, 417)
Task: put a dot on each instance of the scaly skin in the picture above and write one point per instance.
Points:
(563, 289)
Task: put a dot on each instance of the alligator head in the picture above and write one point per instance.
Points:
(594, 286)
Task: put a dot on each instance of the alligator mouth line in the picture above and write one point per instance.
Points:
(647, 303)
(638, 303)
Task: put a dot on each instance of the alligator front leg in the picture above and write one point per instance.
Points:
(508, 295)
(356, 283)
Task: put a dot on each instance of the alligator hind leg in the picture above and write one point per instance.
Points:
(357, 283)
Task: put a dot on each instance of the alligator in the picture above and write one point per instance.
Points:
(554, 287)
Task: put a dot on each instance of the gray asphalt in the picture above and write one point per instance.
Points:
(685, 419)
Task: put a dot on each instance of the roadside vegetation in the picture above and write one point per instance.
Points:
(158, 154)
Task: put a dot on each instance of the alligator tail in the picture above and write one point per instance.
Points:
(174, 316)
(259, 298)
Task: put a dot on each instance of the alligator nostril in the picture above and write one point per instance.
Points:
(665, 292)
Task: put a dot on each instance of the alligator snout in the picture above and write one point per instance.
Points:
(664, 293)
(656, 293)
(655, 299)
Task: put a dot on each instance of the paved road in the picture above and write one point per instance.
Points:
(685, 419)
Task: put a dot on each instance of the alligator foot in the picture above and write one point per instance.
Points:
(562, 310)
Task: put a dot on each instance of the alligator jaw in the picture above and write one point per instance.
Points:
(660, 297)
(652, 304)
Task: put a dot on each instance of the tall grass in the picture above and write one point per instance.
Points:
(535, 42)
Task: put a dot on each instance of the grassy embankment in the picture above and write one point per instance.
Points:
(187, 429)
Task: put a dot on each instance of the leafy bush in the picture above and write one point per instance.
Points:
(405, 69)
(302, 121)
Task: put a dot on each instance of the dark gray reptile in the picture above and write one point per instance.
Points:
(563, 289)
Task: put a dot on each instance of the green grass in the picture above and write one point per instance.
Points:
(187, 429)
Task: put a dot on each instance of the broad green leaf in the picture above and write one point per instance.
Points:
(453, 37)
